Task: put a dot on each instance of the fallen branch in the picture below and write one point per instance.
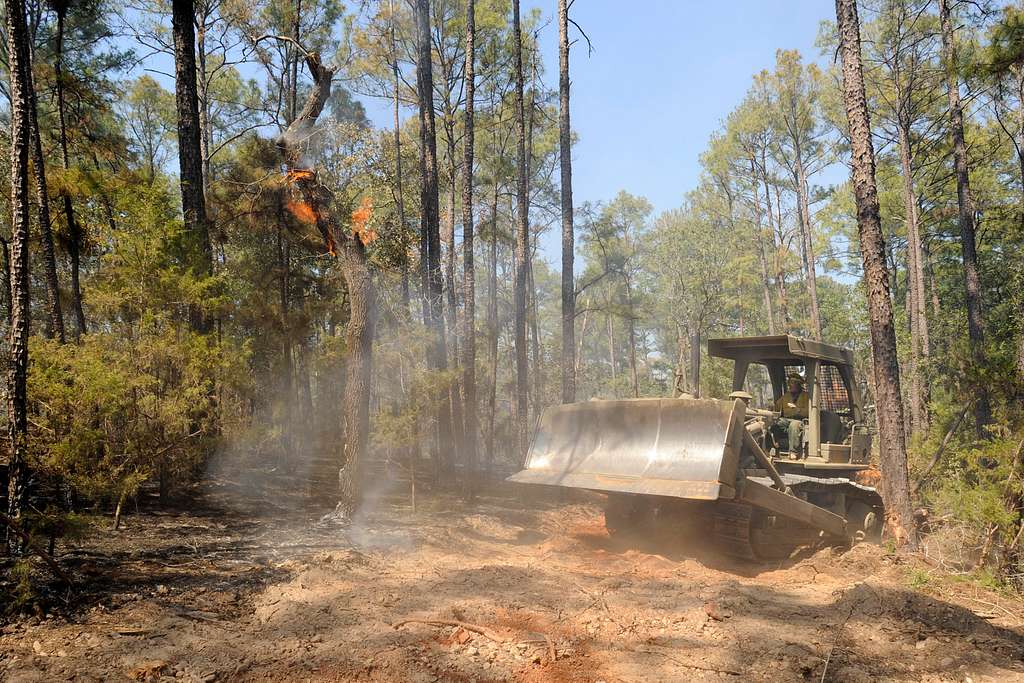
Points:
(690, 665)
(835, 642)
(472, 628)
(30, 544)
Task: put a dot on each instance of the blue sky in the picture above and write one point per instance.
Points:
(662, 77)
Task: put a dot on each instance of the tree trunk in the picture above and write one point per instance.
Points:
(399, 192)
(611, 351)
(203, 94)
(895, 486)
(74, 232)
(780, 275)
(55, 320)
(632, 340)
(492, 321)
(451, 305)
(695, 362)
(680, 385)
(19, 64)
(806, 233)
(361, 296)
(568, 235)
(917, 314)
(522, 243)
(468, 274)
(358, 368)
(190, 157)
(965, 202)
(766, 283)
(430, 225)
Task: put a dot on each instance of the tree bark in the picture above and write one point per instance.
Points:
(965, 203)
(895, 486)
(430, 224)
(190, 156)
(19, 63)
(568, 235)
(522, 243)
(468, 273)
(74, 231)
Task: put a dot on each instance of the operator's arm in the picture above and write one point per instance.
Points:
(802, 409)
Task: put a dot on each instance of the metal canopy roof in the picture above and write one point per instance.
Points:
(782, 347)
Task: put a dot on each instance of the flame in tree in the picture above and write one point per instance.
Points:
(302, 211)
(360, 219)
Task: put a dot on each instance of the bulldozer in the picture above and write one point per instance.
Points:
(724, 465)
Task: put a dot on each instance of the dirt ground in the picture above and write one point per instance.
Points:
(515, 588)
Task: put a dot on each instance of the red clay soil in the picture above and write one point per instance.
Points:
(517, 588)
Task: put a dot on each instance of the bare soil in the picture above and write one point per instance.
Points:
(516, 587)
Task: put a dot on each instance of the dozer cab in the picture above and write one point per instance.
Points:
(723, 463)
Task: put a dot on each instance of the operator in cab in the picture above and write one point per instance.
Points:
(793, 408)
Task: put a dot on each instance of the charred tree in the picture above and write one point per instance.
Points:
(965, 203)
(190, 154)
(19, 63)
(568, 236)
(895, 487)
(468, 273)
(522, 242)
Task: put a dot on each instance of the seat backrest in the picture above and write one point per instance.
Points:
(832, 428)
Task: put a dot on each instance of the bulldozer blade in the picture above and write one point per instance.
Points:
(684, 448)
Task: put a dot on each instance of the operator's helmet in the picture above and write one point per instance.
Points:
(795, 377)
(745, 396)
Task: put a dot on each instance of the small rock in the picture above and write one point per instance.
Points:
(38, 647)
(317, 639)
(62, 653)
(536, 659)
(472, 651)
(161, 589)
(712, 610)
(946, 662)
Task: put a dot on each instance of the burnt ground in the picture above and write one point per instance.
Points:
(517, 587)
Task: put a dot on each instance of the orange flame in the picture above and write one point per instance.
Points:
(360, 218)
(303, 211)
(296, 174)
